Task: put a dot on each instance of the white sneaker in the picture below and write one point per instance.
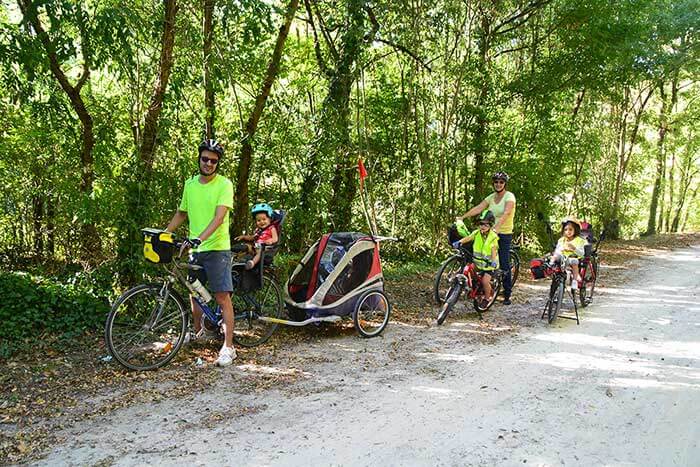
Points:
(226, 356)
(574, 284)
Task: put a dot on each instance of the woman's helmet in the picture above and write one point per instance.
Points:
(500, 176)
(574, 222)
(488, 217)
(211, 145)
(262, 207)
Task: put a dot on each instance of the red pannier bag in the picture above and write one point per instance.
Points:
(538, 268)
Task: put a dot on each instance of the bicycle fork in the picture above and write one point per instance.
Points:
(156, 314)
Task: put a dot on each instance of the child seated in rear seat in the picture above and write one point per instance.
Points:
(265, 233)
(570, 248)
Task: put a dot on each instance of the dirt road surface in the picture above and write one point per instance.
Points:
(621, 388)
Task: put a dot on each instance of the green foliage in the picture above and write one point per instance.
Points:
(548, 95)
(34, 306)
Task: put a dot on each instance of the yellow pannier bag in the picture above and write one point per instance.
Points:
(158, 245)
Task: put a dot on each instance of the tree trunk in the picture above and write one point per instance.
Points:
(625, 151)
(209, 109)
(241, 200)
(50, 227)
(37, 223)
(336, 139)
(89, 240)
(651, 222)
(672, 169)
(150, 126)
(479, 145)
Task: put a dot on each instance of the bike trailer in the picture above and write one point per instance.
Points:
(332, 275)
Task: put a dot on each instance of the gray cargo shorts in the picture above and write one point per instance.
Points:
(216, 274)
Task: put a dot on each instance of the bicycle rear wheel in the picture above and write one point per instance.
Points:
(452, 296)
(590, 276)
(250, 310)
(451, 266)
(146, 327)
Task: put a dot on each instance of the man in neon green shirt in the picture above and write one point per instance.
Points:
(206, 201)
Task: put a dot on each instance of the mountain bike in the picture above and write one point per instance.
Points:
(457, 262)
(468, 280)
(147, 324)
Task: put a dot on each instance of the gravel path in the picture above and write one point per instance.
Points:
(621, 388)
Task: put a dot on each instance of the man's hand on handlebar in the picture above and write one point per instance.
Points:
(190, 243)
(456, 244)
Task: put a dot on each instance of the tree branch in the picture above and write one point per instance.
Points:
(403, 49)
(317, 46)
(526, 13)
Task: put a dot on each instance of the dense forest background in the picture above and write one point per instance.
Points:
(590, 106)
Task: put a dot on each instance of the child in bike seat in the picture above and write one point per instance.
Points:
(265, 233)
(570, 248)
(485, 250)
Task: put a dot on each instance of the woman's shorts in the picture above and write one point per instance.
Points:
(216, 274)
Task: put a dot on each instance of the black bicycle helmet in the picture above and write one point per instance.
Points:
(488, 217)
(500, 176)
(211, 145)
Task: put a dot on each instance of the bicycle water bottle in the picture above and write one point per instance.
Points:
(200, 289)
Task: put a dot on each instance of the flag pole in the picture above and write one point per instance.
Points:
(363, 174)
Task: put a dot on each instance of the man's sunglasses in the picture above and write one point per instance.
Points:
(209, 161)
(484, 223)
(499, 181)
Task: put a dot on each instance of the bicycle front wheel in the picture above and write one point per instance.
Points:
(146, 327)
(557, 298)
(451, 266)
(451, 299)
(251, 311)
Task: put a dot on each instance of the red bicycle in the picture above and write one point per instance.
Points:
(588, 268)
(468, 280)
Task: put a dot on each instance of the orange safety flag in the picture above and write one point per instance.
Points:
(363, 171)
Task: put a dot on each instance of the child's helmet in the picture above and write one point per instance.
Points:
(488, 217)
(574, 222)
(262, 207)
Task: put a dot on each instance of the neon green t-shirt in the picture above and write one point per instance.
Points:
(500, 208)
(199, 201)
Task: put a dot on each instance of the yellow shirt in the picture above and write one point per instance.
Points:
(498, 209)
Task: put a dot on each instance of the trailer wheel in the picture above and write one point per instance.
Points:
(371, 313)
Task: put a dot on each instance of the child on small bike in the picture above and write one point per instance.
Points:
(265, 233)
(485, 250)
(570, 247)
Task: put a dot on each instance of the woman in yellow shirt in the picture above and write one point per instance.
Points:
(502, 204)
